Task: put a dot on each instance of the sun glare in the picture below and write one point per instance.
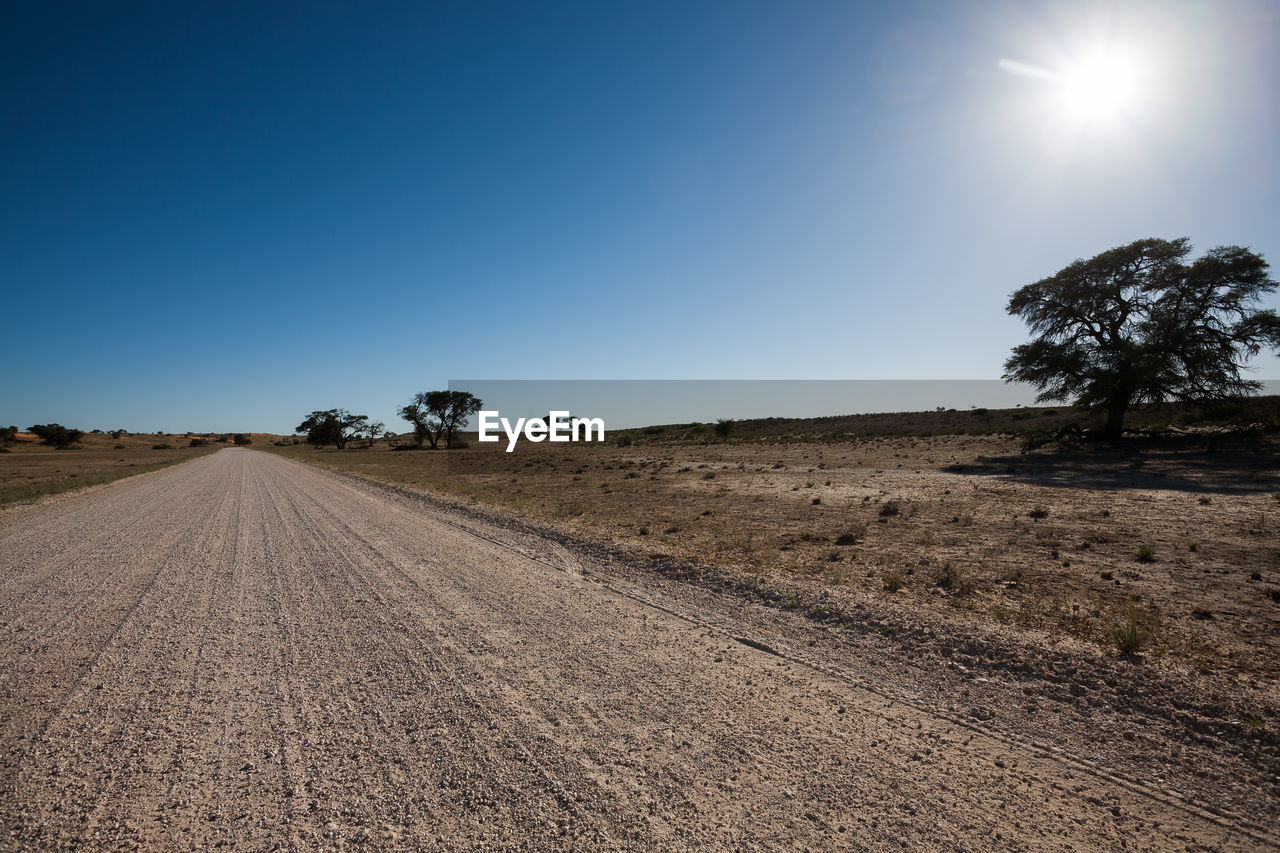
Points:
(1097, 88)
(1101, 87)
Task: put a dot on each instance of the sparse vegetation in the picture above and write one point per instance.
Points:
(955, 580)
(32, 471)
(1062, 574)
(1129, 636)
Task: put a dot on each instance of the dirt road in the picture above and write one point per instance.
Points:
(247, 652)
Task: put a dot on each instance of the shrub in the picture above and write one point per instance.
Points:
(162, 447)
(893, 581)
(1129, 636)
(1145, 554)
(890, 509)
(199, 442)
(1038, 513)
(240, 439)
(955, 580)
(852, 536)
(56, 435)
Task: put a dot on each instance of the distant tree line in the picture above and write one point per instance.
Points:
(240, 439)
(61, 437)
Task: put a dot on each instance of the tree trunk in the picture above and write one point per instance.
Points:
(1116, 407)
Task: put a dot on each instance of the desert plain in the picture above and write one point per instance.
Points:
(667, 641)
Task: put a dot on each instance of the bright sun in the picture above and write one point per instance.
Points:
(1097, 88)
(1101, 87)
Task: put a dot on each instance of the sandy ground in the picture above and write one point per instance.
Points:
(247, 652)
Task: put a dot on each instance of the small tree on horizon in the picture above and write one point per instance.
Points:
(373, 431)
(1137, 324)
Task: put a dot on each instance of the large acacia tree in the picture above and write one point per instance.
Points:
(439, 413)
(1138, 323)
(332, 426)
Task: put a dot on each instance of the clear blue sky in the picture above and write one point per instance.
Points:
(220, 216)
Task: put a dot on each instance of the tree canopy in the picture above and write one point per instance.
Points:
(372, 431)
(332, 426)
(439, 413)
(56, 435)
(1138, 323)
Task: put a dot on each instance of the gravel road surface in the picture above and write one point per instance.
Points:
(249, 653)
